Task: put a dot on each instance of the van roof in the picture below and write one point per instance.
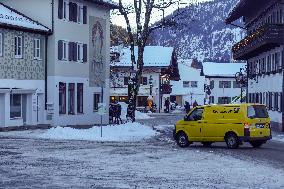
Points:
(232, 105)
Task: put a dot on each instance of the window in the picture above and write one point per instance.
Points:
(236, 85)
(144, 81)
(125, 81)
(268, 64)
(224, 84)
(211, 100)
(63, 9)
(212, 84)
(37, 50)
(19, 47)
(185, 84)
(80, 98)
(80, 52)
(196, 115)
(63, 50)
(62, 98)
(96, 102)
(15, 106)
(193, 84)
(71, 98)
(224, 100)
(1, 44)
(80, 13)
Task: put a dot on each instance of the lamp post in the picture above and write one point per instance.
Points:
(151, 84)
(242, 80)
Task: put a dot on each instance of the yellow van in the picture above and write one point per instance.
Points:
(232, 123)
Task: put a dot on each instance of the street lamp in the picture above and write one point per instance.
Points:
(242, 80)
(151, 84)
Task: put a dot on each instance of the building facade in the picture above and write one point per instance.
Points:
(78, 57)
(190, 87)
(160, 66)
(220, 78)
(263, 49)
(22, 69)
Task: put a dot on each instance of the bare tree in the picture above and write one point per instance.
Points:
(138, 35)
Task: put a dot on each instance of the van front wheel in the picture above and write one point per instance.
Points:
(232, 141)
(256, 144)
(182, 140)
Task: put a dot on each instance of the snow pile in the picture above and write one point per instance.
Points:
(278, 137)
(138, 115)
(125, 132)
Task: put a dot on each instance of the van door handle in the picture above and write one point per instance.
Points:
(200, 129)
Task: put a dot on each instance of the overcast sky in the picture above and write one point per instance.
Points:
(119, 20)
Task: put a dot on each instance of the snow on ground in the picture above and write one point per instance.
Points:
(278, 137)
(138, 115)
(125, 133)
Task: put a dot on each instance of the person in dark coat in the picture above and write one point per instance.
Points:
(118, 114)
(187, 107)
(167, 105)
(195, 104)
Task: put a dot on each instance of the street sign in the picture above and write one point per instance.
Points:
(102, 110)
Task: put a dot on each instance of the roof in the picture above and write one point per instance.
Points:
(244, 7)
(154, 56)
(107, 3)
(213, 69)
(11, 18)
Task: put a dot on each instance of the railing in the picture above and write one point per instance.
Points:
(267, 36)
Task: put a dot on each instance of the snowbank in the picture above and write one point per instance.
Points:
(138, 115)
(125, 132)
(278, 137)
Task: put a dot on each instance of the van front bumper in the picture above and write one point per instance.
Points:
(248, 138)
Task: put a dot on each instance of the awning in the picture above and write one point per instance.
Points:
(18, 91)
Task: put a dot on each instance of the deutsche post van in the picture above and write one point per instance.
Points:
(231, 123)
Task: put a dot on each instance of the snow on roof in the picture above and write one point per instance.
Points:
(222, 69)
(109, 3)
(154, 56)
(11, 17)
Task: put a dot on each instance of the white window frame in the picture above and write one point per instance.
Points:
(80, 52)
(65, 10)
(80, 13)
(18, 46)
(37, 49)
(65, 50)
(1, 44)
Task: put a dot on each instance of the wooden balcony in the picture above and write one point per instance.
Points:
(165, 89)
(264, 39)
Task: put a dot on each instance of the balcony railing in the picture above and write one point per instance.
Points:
(264, 39)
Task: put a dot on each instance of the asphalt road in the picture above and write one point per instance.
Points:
(270, 153)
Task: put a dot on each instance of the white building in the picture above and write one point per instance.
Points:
(77, 57)
(263, 49)
(221, 79)
(190, 87)
(22, 69)
(159, 62)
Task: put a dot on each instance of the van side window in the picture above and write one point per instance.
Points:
(196, 115)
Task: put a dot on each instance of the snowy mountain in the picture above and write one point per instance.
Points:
(201, 32)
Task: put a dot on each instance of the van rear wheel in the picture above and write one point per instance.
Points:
(182, 140)
(256, 144)
(232, 141)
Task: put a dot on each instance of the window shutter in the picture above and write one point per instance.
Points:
(60, 50)
(70, 51)
(42, 49)
(75, 51)
(75, 10)
(85, 53)
(60, 9)
(34, 48)
(84, 14)
(71, 11)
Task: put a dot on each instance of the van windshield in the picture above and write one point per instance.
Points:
(257, 111)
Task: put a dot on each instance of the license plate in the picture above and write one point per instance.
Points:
(261, 126)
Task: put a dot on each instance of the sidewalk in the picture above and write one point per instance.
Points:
(23, 128)
(278, 136)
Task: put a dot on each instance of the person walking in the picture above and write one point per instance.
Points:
(187, 107)
(167, 105)
(118, 115)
